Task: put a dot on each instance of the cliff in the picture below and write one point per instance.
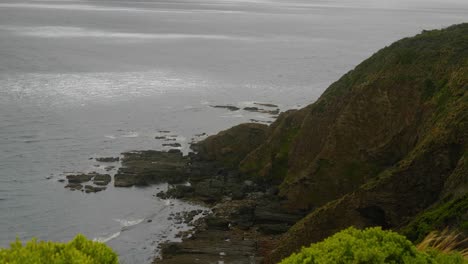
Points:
(385, 145)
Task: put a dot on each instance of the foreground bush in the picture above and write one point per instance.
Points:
(78, 251)
(372, 245)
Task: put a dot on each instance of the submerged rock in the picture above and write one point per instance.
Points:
(75, 181)
(175, 145)
(267, 105)
(263, 111)
(109, 168)
(80, 178)
(93, 189)
(108, 159)
(228, 107)
(102, 179)
(74, 186)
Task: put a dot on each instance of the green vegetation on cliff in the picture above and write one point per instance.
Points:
(453, 214)
(372, 245)
(385, 145)
(372, 118)
(80, 251)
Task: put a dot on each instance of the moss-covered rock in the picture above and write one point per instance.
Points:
(230, 146)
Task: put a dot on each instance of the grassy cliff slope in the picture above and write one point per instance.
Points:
(382, 145)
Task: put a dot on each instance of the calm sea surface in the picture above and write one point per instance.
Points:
(83, 79)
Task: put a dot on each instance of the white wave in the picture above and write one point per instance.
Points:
(127, 223)
(106, 239)
(110, 136)
(131, 135)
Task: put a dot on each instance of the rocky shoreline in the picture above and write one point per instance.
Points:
(246, 220)
(245, 217)
(364, 154)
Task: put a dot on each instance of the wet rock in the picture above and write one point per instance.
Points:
(251, 109)
(211, 246)
(267, 105)
(271, 112)
(125, 180)
(80, 178)
(216, 223)
(109, 168)
(209, 190)
(174, 151)
(108, 159)
(263, 111)
(150, 167)
(228, 107)
(164, 131)
(74, 186)
(160, 137)
(273, 229)
(172, 145)
(177, 191)
(93, 189)
(274, 214)
(102, 179)
(170, 248)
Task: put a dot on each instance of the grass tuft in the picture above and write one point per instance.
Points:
(446, 242)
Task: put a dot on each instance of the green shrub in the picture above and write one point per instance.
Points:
(445, 214)
(78, 251)
(372, 245)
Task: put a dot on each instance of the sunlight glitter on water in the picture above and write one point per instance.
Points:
(73, 89)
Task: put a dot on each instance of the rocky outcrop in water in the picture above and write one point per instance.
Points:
(75, 182)
(108, 159)
(142, 168)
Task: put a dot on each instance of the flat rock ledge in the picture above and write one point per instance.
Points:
(246, 221)
(142, 168)
(75, 182)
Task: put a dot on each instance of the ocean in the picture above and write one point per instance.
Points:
(81, 79)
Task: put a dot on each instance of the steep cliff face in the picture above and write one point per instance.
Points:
(385, 145)
(366, 122)
(399, 131)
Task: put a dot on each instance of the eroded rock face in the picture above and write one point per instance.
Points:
(141, 168)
